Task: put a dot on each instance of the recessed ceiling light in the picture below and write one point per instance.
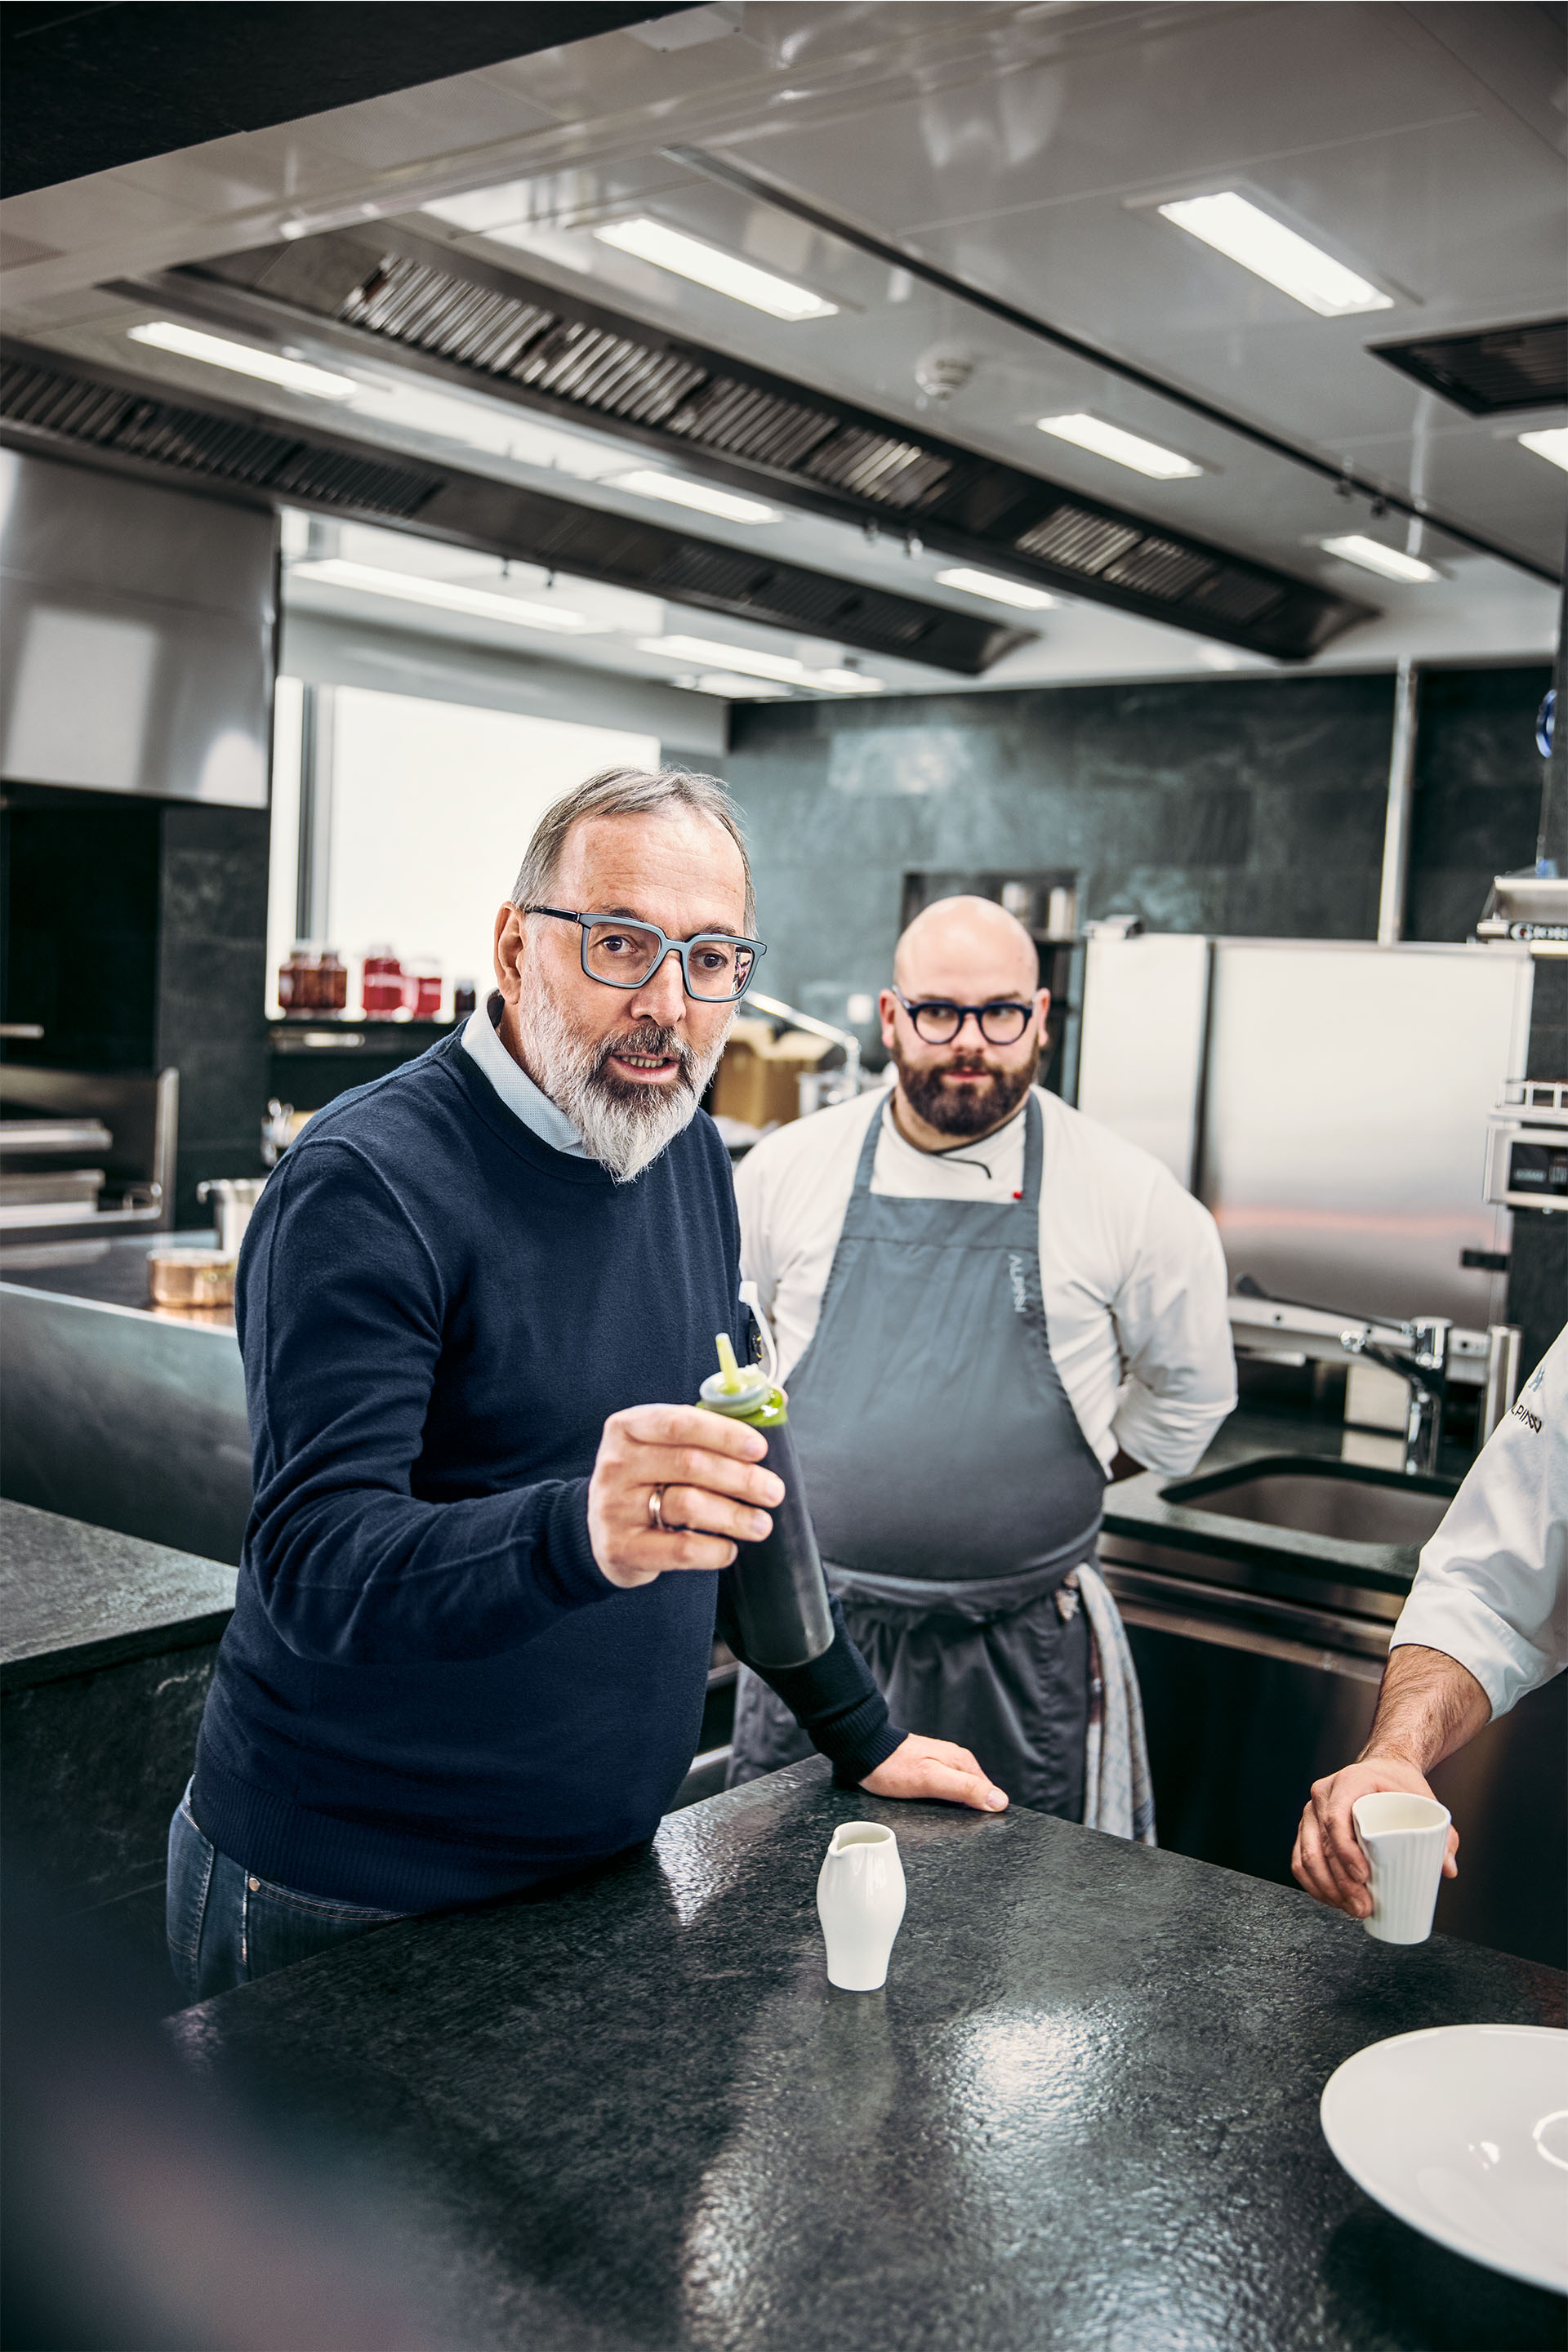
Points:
(716, 654)
(781, 668)
(1373, 556)
(244, 359)
(1121, 447)
(1551, 443)
(995, 590)
(645, 483)
(445, 595)
(706, 264)
(1246, 234)
(730, 685)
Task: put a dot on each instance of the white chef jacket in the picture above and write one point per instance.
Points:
(1492, 1586)
(1132, 1272)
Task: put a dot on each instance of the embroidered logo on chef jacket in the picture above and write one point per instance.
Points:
(1521, 1411)
(1016, 1277)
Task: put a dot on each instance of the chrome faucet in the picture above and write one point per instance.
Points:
(1425, 1367)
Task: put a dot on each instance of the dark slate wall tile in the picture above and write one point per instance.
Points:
(1477, 792)
(211, 974)
(79, 938)
(1253, 807)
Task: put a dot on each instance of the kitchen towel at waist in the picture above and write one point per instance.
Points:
(935, 1434)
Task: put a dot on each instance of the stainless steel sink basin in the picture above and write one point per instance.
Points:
(1320, 1499)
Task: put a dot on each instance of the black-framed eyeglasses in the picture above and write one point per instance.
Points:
(937, 1023)
(716, 966)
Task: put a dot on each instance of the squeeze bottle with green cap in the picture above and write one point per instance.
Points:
(776, 1587)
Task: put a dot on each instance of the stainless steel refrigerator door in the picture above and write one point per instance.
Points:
(1344, 1124)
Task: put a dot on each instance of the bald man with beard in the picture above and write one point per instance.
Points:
(985, 1305)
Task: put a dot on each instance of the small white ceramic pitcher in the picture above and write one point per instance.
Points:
(860, 1903)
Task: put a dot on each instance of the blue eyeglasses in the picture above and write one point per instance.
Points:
(716, 966)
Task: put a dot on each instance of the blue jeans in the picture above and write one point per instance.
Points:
(226, 1926)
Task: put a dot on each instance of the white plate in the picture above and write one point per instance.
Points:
(1462, 2131)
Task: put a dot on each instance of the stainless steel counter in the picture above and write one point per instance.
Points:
(112, 1410)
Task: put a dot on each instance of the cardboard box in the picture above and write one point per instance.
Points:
(758, 1078)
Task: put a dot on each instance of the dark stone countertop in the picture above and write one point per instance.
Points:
(74, 1598)
(632, 2112)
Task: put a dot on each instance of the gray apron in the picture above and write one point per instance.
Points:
(951, 1486)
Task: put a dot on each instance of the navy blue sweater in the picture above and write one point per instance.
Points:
(428, 1693)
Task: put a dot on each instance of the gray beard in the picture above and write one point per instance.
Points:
(623, 1126)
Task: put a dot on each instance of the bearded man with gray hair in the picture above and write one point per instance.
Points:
(479, 1589)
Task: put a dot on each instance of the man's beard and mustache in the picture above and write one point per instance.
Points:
(966, 1110)
(622, 1124)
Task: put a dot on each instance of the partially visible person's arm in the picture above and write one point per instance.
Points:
(1174, 1336)
(1429, 1706)
(1487, 1620)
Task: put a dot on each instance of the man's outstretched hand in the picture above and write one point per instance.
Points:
(935, 1768)
(1328, 1861)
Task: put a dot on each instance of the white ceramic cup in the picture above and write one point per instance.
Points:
(860, 1903)
(1404, 1839)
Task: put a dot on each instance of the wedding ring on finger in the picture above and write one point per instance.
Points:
(655, 1515)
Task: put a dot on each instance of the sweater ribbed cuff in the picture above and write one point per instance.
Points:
(859, 1749)
(578, 1578)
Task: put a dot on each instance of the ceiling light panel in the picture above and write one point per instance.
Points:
(731, 686)
(243, 359)
(737, 657)
(995, 590)
(702, 497)
(1123, 449)
(1551, 444)
(443, 595)
(1243, 232)
(783, 669)
(709, 265)
(1372, 555)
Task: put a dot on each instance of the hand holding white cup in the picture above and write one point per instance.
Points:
(1405, 1838)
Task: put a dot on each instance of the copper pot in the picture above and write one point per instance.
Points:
(190, 1277)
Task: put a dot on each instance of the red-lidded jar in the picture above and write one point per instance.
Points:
(424, 979)
(382, 985)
